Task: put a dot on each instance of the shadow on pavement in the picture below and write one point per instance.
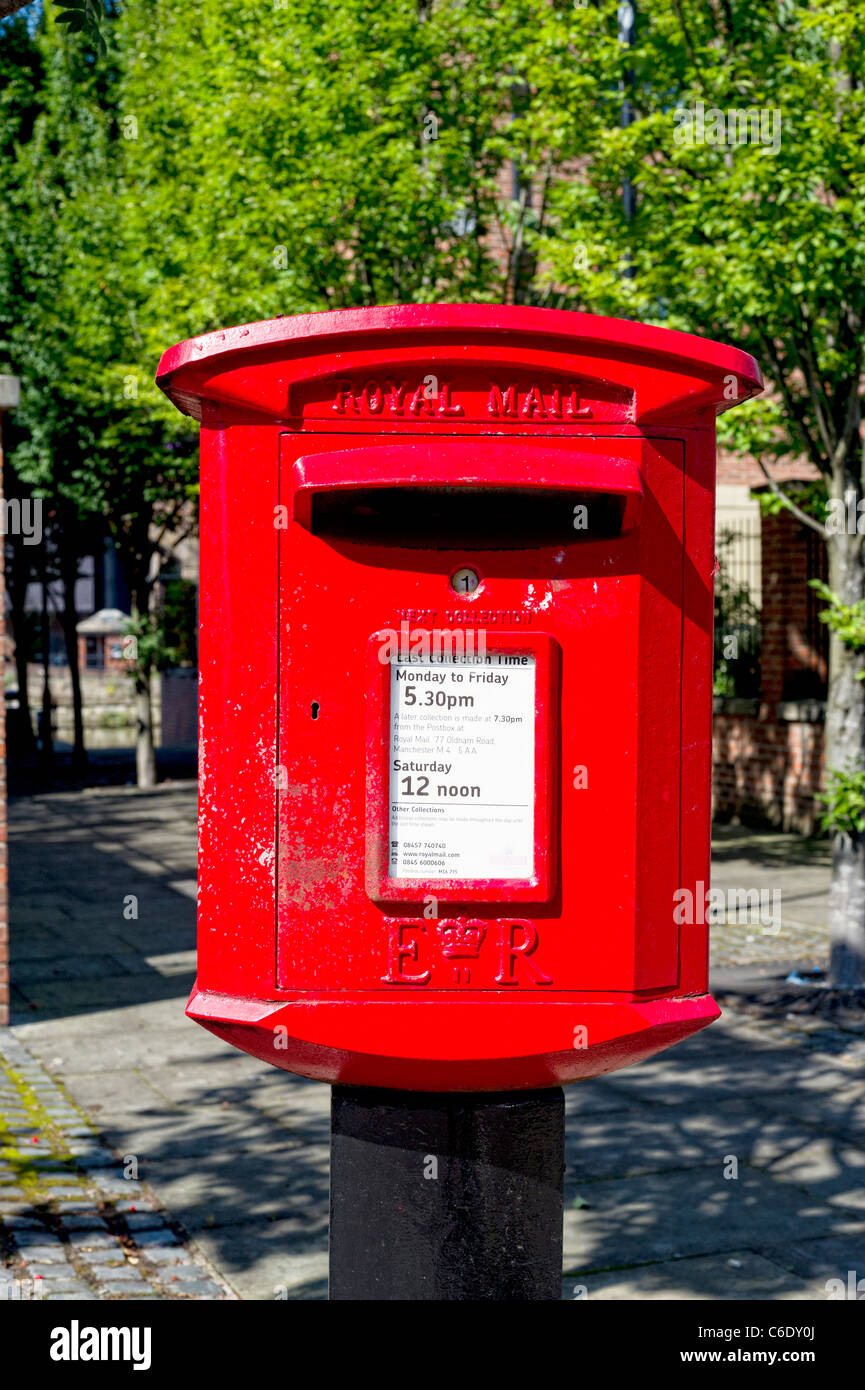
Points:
(102, 900)
(730, 1167)
(769, 848)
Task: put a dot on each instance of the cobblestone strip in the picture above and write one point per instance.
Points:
(72, 1227)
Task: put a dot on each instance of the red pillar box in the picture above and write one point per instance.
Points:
(456, 675)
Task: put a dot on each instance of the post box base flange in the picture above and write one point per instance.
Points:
(450, 1045)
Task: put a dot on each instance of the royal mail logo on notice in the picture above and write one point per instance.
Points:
(432, 398)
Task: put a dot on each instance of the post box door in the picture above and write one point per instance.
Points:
(361, 551)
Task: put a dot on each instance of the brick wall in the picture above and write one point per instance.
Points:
(768, 753)
(741, 468)
(767, 770)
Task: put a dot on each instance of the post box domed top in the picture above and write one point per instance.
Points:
(290, 368)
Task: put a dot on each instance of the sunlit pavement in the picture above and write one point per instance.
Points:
(729, 1167)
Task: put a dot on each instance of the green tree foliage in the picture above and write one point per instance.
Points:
(92, 435)
(221, 164)
(847, 619)
(844, 800)
(305, 157)
(747, 155)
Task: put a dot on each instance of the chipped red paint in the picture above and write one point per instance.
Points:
(311, 955)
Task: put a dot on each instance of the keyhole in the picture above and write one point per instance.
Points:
(314, 709)
(465, 580)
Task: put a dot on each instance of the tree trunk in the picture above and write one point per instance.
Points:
(18, 578)
(136, 554)
(845, 750)
(46, 738)
(69, 623)
(145, 754)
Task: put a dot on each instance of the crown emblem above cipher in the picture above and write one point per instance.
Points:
(461, 940)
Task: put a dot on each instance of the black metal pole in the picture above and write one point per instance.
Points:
(446, 1197)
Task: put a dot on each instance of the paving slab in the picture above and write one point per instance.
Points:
(270, 1261)
(692, 1211)
(798, 870)
(234, 1153)
(824, 1259)
(738, 1275)
(631, 1140)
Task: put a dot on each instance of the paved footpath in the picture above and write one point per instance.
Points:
(732, 1166)
(76, 1222)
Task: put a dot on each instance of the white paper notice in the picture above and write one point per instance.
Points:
(462, 768)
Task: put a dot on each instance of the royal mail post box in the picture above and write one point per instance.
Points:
(456, 673)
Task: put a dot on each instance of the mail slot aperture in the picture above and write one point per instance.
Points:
(479, 519)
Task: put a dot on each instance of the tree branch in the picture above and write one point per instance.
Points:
(788, 502)
(8, 7)
(687, 38)
(808, 368)
(794, 405)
